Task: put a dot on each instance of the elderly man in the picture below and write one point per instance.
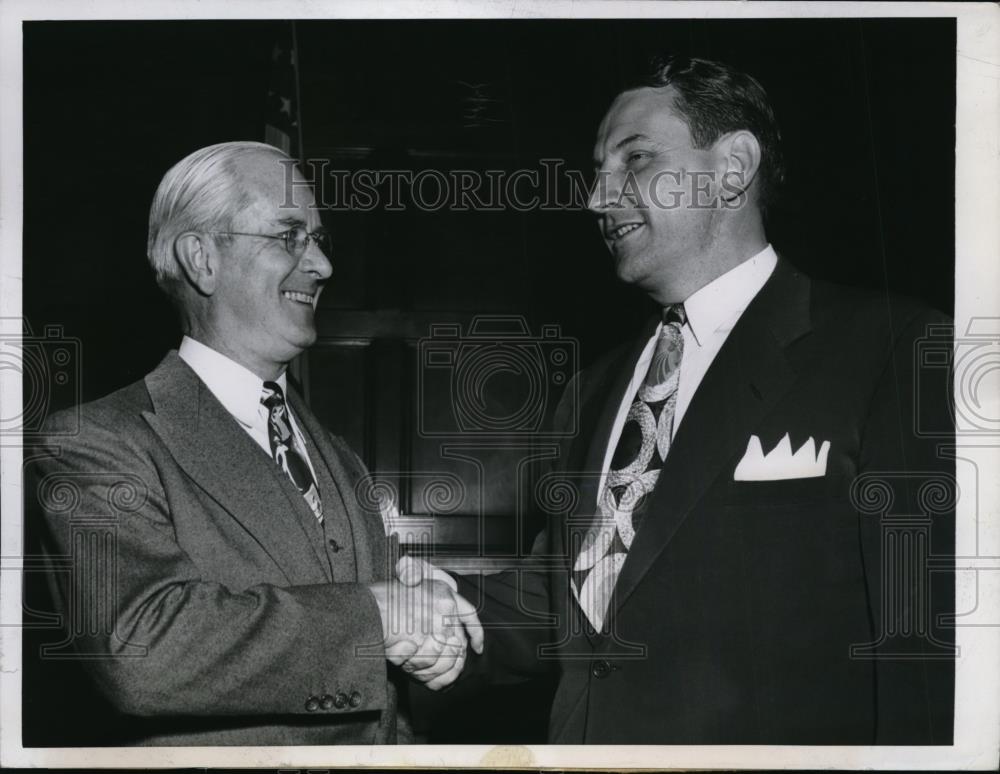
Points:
(750, 559)
(242, 594)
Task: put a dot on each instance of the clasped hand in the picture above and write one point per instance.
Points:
(426, 624)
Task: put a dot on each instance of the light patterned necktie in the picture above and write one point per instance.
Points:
(635, 467)
(283, 447)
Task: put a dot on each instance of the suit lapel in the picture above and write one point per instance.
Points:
(360, 521)
(745, 381)
(217, 453)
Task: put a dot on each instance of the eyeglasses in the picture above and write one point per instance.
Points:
(296, 239)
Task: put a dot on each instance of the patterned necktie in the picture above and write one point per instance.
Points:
(283, 447)
(632, 475)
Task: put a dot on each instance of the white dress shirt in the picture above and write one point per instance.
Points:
(239, 390)
(712, 312)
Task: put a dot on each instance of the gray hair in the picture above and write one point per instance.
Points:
(201, 192)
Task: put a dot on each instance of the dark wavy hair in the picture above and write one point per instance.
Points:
(714, 98)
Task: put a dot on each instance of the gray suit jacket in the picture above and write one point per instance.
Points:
(203, 599)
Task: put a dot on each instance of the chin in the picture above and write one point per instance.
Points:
(629, 269)
(296, 342)
(305, 341)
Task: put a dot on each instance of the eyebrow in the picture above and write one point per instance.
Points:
(630, 138)
(290, 222)
(622, 143)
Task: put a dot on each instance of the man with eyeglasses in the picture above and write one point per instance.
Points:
(251, 594)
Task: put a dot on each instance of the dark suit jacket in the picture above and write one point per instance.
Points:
(203, 599)
(755, 612)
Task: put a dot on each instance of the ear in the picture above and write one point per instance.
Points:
(198, 259)
(741, 155)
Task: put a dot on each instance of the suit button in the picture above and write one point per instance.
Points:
(326, 703)
(334, 545)
(355, 699)
(340, 701)
(600, 669)
(312, 704)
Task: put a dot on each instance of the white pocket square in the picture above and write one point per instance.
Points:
(780, 463)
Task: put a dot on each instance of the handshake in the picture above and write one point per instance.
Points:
(426, 624)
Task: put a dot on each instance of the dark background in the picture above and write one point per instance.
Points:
(867, 110)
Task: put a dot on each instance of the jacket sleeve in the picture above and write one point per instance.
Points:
(155, 637)
(513, 607)
(906, 499)
(521, 623)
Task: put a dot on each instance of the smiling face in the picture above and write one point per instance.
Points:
(658, 225)
(262, 311)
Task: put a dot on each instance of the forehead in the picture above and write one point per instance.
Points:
(267, 179)
(648, 112)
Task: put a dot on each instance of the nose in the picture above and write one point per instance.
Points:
(314, 261)
(605, 192)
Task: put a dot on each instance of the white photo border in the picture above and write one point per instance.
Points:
(977, 298)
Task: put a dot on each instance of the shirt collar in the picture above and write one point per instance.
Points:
(717, 306)
(237, 388)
